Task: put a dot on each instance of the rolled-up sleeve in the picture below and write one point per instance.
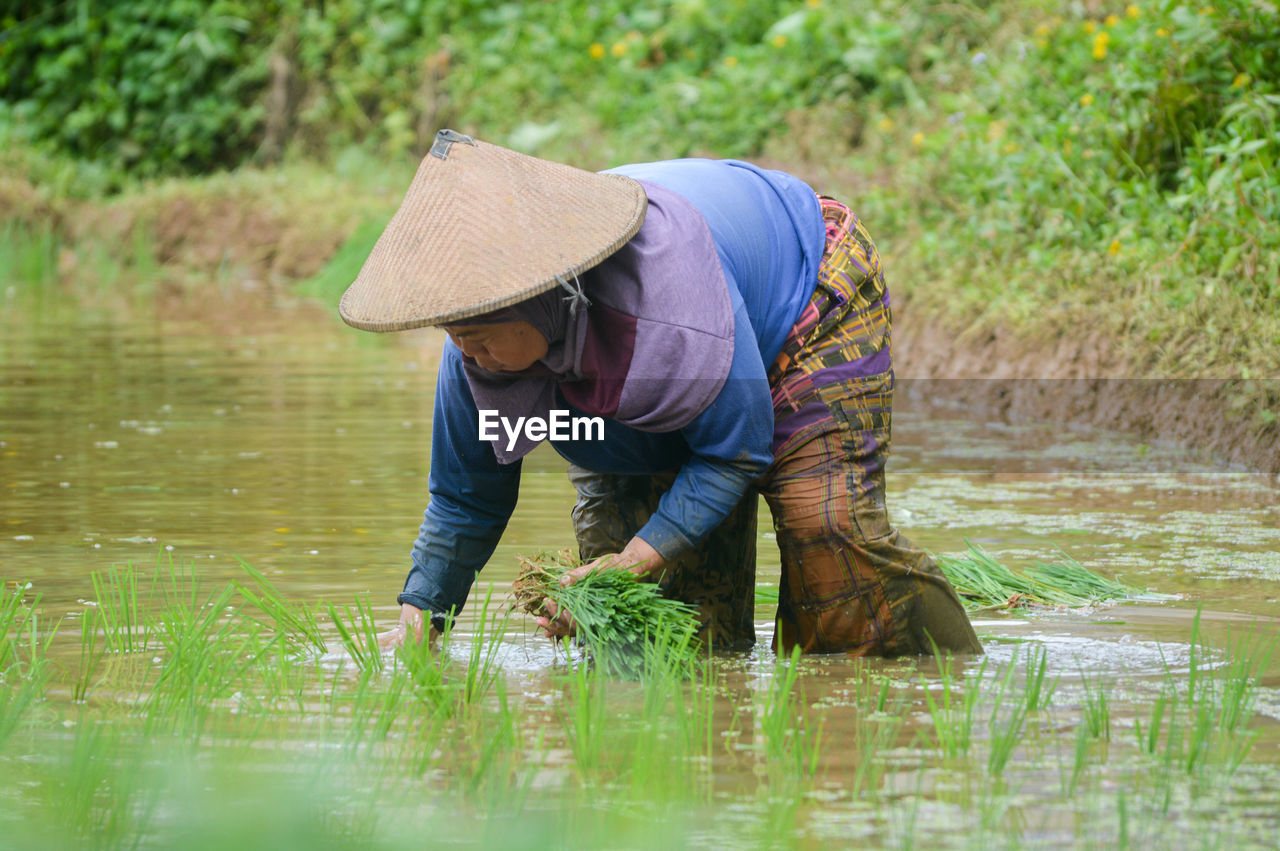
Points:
(472, 497)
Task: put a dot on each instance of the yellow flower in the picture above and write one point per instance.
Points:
(1207, 11)
(1099, 50)
(1114, 248)
(1090, 26)
(779, 40)
(1042, 43)
(1043, 30)
(1240, 81)
(1111, 20)
(917, 140)
(1162, 32)
(1086, 99)
(596, 51)
(813, 4)
(885, 124)
(731, 61)
(619, 49)
(1132, 11)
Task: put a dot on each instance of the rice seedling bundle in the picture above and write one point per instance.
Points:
(626, 626)
(984, 583)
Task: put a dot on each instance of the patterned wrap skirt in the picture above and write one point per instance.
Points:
(850, 581)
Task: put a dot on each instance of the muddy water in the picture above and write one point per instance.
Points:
(303, 448)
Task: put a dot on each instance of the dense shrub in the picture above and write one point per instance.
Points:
(179, 85)
(1013, 127)
(147, 87)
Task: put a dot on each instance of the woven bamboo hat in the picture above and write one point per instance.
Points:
(483, 227)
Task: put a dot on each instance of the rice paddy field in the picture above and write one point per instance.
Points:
(203, 523)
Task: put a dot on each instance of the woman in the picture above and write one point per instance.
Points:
(729, 326)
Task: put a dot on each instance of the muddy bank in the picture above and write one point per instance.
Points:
(252, 236)
(1077, 380)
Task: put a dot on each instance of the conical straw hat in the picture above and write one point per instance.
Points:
(483, 227)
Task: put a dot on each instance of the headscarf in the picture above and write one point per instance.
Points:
(645, 337)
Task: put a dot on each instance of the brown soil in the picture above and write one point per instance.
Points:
(1075, 381)
(244, 237)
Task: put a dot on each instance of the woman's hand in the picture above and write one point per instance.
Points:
(411, 624)
(637, 556)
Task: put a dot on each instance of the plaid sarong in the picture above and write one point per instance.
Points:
(850, 581)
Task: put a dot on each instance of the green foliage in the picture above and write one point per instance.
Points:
(1146, 136)
(149, 88)
(180, 85)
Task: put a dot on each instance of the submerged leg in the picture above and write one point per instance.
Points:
(850, 581)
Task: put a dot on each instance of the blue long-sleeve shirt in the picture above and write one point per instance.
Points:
(769, 235)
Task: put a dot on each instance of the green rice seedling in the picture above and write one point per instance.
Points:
(491, 753)
(13, 614)
(95, 782)
(1071, 578)
(1220, 700)
(1149, 739)
(425, 668)
(90, 655)
(209, 649)
(1097, 707)
(18, 696)
(952, 715)
(766, 595)
(1080, 759)
(24, 675)
(296, 622)
(586, 719)
(125, 628)
(373, 708)
(201, 669)
(1006, 731)
(486, 639)
(1036, 693)
(23, 683)
(673, 737)
(984, 583)
(360, 638)
(789, 741)
(616, 615)
(876, 723)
